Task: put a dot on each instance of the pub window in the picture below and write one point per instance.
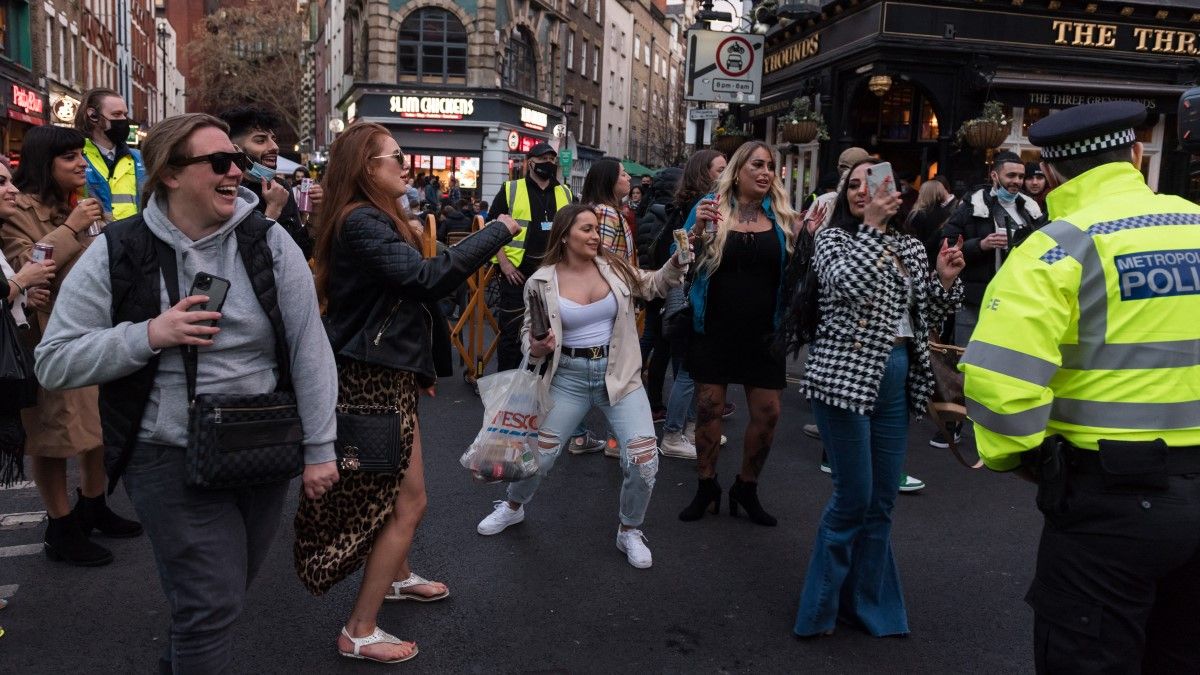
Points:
(929, 122)
(432, 48)
(520, 64)
(895, 114)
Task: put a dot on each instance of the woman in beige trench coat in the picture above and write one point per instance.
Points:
(64, 424)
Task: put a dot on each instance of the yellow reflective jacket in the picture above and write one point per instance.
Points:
(1091, 329)
(120, 192)
(516, 195)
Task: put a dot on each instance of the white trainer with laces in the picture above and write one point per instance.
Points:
(675, 445)
(689, 434)
(501, 517)
(633, 544)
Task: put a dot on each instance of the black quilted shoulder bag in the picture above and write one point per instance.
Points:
(238, 440)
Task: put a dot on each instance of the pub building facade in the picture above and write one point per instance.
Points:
(899, 77)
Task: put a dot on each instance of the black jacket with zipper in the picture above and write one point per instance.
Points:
(382, 294)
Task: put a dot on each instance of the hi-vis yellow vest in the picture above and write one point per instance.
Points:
(118, 192)
(516, 195)
(1091, 329)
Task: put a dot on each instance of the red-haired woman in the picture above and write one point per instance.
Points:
(391, 342)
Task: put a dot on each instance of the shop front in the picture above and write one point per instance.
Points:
(899, 78)
(24, 107)
(479, 138)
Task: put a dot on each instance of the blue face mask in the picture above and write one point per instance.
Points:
(1004, 196)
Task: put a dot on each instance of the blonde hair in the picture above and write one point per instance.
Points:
(167, 142)
(929, 195)
(726, 189)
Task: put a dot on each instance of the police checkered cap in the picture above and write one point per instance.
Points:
(1090, 146)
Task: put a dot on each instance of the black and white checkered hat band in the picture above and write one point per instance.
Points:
(1090, 146)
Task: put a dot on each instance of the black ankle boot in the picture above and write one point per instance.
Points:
(709, 491)
(65, 541)
(746, 495)
(93, 512)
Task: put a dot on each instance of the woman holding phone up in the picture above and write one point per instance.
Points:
(64, 424)
(868, 370)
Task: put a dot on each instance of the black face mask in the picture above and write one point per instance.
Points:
(117, 132)
(544, 170)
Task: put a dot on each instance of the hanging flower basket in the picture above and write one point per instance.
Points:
(729, 143)
(799, 132)
(985, 135)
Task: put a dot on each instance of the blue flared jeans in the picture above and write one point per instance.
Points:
(852, 575)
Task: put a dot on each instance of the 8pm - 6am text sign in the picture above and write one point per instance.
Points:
(725, 67)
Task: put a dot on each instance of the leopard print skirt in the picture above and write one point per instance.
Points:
(335, 533)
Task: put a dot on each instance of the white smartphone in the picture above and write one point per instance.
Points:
(879, 173)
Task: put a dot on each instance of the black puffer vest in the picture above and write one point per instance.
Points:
(136, 283)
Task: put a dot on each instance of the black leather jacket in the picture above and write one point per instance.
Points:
(382, 294)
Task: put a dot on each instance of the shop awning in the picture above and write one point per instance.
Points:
(636, 170)
(1092, 85)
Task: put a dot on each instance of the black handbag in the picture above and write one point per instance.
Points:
(802, 289)
(368, 438)
(18, 384)
(238, 440)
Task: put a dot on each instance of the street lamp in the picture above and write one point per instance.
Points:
(163, 34)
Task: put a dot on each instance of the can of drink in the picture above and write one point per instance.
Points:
(42, 252)
(303, 200)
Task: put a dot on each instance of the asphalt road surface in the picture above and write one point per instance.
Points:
(553, 595)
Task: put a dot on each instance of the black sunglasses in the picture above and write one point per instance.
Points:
(220, 161)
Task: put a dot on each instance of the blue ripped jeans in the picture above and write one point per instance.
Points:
(578, 386)
(853, 574)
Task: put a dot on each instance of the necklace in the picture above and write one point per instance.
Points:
(748, 215)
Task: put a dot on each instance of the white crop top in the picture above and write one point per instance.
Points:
(589, 325)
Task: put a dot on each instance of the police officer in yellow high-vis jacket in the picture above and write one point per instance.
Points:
(115, 171)
(1084, 374)
(532, 202)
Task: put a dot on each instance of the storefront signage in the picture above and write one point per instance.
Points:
(826, 43)
(979, 25)
(1060, 99)
(432, 108)
(63, 108)
(534, 119)
(29, 101)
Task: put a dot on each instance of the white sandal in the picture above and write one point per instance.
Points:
(400, 590)
(380, 636)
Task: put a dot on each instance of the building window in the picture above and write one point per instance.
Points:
(432, 48)
(599, 18)
(520, 64)
(570, 50)
(596, 126)
(596, 63)
(583, 57)
(637, 45)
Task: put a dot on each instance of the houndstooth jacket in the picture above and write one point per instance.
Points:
(862, 295)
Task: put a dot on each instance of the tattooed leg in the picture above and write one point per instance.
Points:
(708, 427)
(764, 405)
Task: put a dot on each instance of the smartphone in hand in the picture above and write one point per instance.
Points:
(215, 288)
(877, 174)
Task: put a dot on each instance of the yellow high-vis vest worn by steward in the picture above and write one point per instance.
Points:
(1091, 329)
(516, 195)
(119, 191)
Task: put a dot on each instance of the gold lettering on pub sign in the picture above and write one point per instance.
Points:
(793, 53)
(1104, 36)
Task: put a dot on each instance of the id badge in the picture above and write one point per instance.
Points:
(546, 224)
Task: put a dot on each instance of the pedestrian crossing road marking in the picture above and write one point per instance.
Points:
(21, 521)
(16, 551)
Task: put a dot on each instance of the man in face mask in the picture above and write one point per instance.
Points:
(992, 221)
(532, 202)
(253, 130)
(115, 171)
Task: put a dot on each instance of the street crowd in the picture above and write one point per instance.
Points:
(174, 329)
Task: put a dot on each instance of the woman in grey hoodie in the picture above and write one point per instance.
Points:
(208, 543)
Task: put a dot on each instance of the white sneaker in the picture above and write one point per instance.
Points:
(633, 544)
(689, 434)
(500, 517)
(675, 445)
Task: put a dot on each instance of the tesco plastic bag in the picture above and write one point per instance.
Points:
(505, 449)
